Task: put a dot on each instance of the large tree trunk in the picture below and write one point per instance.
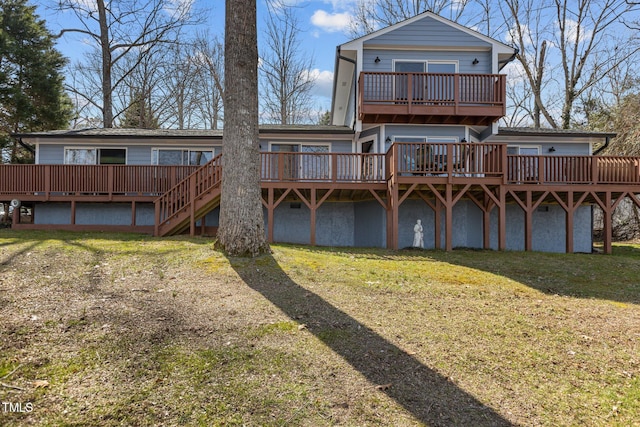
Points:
(107, 100)
(241, 231)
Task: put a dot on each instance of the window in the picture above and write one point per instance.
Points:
(180, 156)
(95, 156)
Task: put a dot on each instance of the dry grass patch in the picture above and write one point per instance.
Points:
(131, 330)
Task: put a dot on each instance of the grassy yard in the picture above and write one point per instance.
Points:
(115, 329)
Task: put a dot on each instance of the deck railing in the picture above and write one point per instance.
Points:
(459, 159)
(326, 167)
(573, 169)
(183, 194)
(432, 89)
(103, 180)
(475, 160)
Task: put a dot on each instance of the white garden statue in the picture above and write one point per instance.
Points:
(418, 235)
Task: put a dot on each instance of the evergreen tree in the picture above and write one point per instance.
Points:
(32, 96)
(139, 114)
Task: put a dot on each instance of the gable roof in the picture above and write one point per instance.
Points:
(358, 42)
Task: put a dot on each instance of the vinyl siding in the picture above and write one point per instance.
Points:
(428, 32)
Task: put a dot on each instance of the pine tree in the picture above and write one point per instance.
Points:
(32, 96)
(139, 114)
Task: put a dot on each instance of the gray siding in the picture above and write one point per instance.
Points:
(428, 32)
(465, 59)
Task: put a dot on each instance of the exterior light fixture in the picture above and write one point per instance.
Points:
(552, 150)
(377, 59)
(388, 139)
(475, 61)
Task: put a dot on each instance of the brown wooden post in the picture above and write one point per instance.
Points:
(438, 224)
(334, 167)
(448, 218)
(608, 227)
(409, 92)
(110, 181)
(594, 170)
(456, 93)
(449, 164)
(313, 217)
(528, 221)
(502, 217)
(486, 223)
(47, 181)
(133, 213)
(73, 212)
(569, 222)
(192, 205)
(270, 215)
(156, 225)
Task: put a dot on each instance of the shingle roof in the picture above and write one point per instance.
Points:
(527, 131)
(180, 133)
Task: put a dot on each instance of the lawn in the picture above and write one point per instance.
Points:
(118, 329)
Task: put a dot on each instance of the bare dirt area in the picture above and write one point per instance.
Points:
(131, 330)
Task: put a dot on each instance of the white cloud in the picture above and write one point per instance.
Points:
(331, 22)
(323, 81)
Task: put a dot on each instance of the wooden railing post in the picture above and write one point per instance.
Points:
(594, 170)
(110, 179)
(409, 91)
(503, 163)
(334, 167)
(456, 92)
(47, 181)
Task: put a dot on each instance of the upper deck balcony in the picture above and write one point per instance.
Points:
(431, 98)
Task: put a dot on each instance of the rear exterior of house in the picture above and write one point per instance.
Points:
(414, 135)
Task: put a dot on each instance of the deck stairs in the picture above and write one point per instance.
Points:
(190, 200)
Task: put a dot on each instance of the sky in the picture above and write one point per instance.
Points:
(324, 25)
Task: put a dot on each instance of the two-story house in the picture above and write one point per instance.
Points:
(414, 136)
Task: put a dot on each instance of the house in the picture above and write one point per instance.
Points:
(414, 135)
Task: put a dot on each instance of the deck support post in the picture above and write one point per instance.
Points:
(438, 224)
(133, 213)
(502, 219)
(270, 215)
(608, 226)
(73, 212)
(448, 218)
(528, 221)
(569, 222)
(313, 207)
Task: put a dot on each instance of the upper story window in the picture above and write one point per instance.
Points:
(95, 156)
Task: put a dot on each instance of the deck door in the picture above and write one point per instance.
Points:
(402, 94)
(440, 85)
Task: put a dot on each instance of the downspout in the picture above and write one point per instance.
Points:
(504, 63)
(607, 140)
(27, 146)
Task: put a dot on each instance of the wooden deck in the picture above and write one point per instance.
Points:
(439, 174)
(470, 99)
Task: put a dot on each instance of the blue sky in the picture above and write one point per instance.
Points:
(324, 25)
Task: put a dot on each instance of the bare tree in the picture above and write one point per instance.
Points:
(529, 28)
(209, 56)
(583, 35)
(119, 27)
(241, 231)
(285, 68)
(373, 14)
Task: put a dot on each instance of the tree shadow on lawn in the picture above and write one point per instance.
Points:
(427, 395)
(608, 277)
